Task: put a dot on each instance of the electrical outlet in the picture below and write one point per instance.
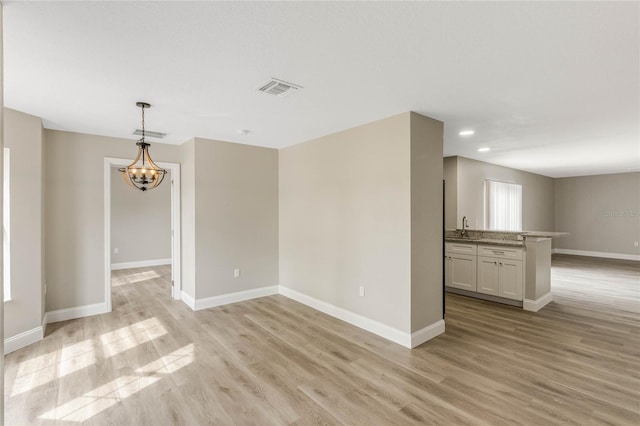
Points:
(635, 244)
(361, 291)
(115, 250)
(236, 273)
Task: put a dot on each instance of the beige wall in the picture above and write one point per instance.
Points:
(75, 212)
(140, 221)
(345, 218)
(23, 136)
(1, 274)
(451, 192)
(426, 221)
(537, 194)
(601, 213)
(188, 217)
(236, 217)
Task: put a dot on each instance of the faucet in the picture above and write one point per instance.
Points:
(465, 225)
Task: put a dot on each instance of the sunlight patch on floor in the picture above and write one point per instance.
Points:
(133, 278)
(170, 363)
(74, 357)
(54, 365)
(94, 402)
(88, 405)
(122, 339)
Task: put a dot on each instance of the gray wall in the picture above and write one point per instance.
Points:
(346, 219)
(426, 221)
(601, 213)
(450, 174)
(537, 194)
(236, 217)
(75, 212)
(23, 136)
(1, 287)
(140, 221)
(188, 217)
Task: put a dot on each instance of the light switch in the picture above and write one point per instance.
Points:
(236, 273)
(115, 250)
(361, 291)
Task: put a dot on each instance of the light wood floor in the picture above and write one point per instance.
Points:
(152, 361)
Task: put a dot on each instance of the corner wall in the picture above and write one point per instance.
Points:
(426, 222)
(236, 219)
(353, 206)
(601, 214)
(1, 287)
(23, 314)
(345, 220)
(537, 194)
(74, 201)
(188, 219)
(450, 174)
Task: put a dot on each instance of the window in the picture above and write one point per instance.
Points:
(6, 236)
(503, 206)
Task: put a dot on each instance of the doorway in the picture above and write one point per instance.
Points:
(174, 182)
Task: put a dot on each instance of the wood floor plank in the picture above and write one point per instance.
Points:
(273, 361)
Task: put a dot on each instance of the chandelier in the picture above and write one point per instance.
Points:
(143, 173)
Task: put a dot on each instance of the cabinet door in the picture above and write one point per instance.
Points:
(510, 272)
(462, 271)
(488, 276)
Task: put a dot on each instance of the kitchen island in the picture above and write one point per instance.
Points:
(506, 267)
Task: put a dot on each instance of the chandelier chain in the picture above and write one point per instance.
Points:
(143, 124)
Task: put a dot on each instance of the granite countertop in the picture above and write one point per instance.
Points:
(543, 234)
(487, 241)
(498, 238)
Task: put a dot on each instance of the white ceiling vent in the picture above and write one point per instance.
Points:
(150, 133)
(278, 87)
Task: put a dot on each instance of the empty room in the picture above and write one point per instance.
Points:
(336, 213)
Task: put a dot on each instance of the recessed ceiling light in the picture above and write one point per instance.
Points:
(485, 149)
(466, 133)
(243, 132)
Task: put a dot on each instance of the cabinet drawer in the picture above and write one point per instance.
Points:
(461, 248)
(501, 252)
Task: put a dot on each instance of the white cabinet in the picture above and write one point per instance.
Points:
(486, 269)
(460, 266)
(514, 253)
(500, 272)
(488, 276)
(510, 279)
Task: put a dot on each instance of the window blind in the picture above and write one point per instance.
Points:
(504, 206)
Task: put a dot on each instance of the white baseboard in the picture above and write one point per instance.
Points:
(427, 333)
(622, 256)
(536, 305)
(375, 327)
(21, 340)
(241, 296)
(188, 300)
(140, 264)
(77, 312)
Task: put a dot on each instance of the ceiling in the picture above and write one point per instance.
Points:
(550, 87)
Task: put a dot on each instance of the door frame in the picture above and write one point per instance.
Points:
(176, 255)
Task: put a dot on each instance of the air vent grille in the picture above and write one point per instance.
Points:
(277, 87)
(150, 133)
